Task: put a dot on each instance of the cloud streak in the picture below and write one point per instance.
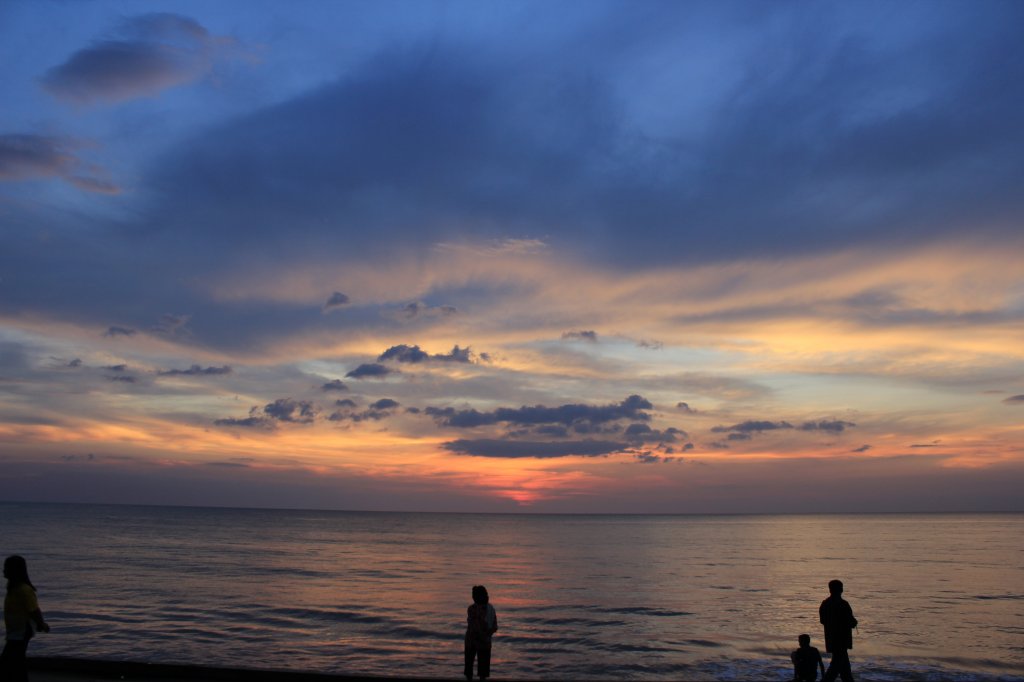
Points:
(196, 370)
(28, 157)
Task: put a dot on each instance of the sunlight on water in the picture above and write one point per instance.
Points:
(644, 597)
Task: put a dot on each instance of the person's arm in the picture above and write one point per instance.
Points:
(37, 618)
(495, 614)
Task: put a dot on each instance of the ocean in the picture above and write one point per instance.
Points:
(938, 596)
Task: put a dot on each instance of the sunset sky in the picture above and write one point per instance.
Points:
(513, 256)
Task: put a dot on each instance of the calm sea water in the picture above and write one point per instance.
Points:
(939, 597)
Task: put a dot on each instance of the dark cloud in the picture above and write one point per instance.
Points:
(685, 408)
(490, 134)
(123, 378)
(583, 335)
(196, 370)
(334, 385)
(491, 447)
(651, 345)
(1015, 400)
(115, 368)
(456, 354)
(831, 425)
(589, 429)
(77, 362)
(420, 309)
(288, 410)
(380, 409)
(253, 421)
(404, 353)
(27, 157)
(335, 300)
(752, 426)
(119, 331)
(638, 434)
(413, 354)
(651, 458)
(862, 448)
(153, 52)
(631, 408)
(369, 371)
(281, 410)
(345, 402)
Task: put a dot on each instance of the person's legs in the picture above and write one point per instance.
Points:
(845, 672)
(484, 662)
(839, 667)
(470, 655)
(13, 666)
(833, 669)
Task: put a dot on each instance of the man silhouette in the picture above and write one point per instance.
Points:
(837, 617)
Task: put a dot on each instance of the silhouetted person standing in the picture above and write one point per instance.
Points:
(806, 661)
(837, 617)
(481, 623)
(21, 613)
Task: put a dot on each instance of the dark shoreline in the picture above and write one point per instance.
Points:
(133, 670)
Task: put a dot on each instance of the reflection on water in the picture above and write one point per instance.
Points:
(645, 597)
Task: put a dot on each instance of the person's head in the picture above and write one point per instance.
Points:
(480, 594)
(805, 640)
(835, 587)
(16, 570)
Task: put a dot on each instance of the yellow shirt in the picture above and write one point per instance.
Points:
(18, 604)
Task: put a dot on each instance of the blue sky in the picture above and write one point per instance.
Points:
(505, 256)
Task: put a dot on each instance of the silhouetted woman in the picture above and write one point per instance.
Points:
(481, 623)
(22, 618)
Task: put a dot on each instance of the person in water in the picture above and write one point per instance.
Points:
(481, 624)
(22, 618)
(837, 618)
(806, 661)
